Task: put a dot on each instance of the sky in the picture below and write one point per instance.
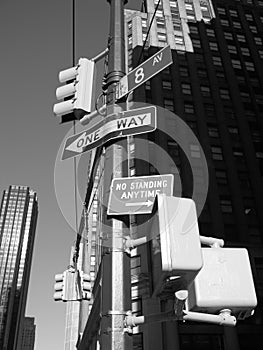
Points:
(36, 43)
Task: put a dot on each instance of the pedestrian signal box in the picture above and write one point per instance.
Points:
(176, 250)
(225, 282)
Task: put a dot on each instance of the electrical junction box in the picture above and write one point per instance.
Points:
(176, 248)
(225, 282)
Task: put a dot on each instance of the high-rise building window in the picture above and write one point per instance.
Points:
(205, 90)
(195, 151)
(258, 40)
(253, 29)
(233, 13)
(250, 66)
(173, 3)
(241, 38)
(224, 22)
(213, 46)
(224, 94)
(237, 152)
(233, 130)
(186, 89)
(249, 17)
(193, 30)
(221, 177)
(162, 37)
(189, 108)
(221, 10)
(210, 32)
(205, 9)
(148, 85)
(226, 205)
(217, 153)
(169, 104)
(173, 149)
(245, 51)
(245, 96)
(144, 23)
(213, 132)
(217, 61)
(183, 71)
(236, 24)
(196, 43)
(167, 84)
(232, 49)
(241, 79)
(209, 110)
(236, 64)
(202, 73)
(228, 36)
(137, 307)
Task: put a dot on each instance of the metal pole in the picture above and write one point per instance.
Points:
(116, 279)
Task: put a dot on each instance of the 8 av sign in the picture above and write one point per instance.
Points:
(136, 195)
(144, 72)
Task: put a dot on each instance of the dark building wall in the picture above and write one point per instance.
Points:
(218, 91)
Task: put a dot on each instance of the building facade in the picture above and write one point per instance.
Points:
(18, 219)
(215, 85)
(28, 334)
(76, 311)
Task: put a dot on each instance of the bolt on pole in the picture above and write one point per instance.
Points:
(116, 278)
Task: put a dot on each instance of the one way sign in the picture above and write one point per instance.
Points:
(135, 121)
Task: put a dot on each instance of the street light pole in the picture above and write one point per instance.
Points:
(116, 278)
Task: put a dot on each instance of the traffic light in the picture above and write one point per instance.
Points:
(72, 285)
(78, 92)
(59, 287)
(176, 250)
(224, 282)
(85, 285)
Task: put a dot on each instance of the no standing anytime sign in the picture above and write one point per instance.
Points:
(136, 195)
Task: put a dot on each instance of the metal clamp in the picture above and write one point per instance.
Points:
(223, 319)
(212, 242)
(130, 244)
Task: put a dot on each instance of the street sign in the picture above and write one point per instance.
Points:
(135, 121)
(144, 72)
(136, 195)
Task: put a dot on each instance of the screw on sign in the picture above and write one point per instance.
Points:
(144, 72)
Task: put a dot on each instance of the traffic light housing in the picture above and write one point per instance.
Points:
(224, 282)
(78, 92)
(59, 287)
(72, 285)
(85, 285)
(176, 247)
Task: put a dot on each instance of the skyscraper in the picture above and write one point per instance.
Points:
(18, 219)
(28, 334)
(215, 85)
